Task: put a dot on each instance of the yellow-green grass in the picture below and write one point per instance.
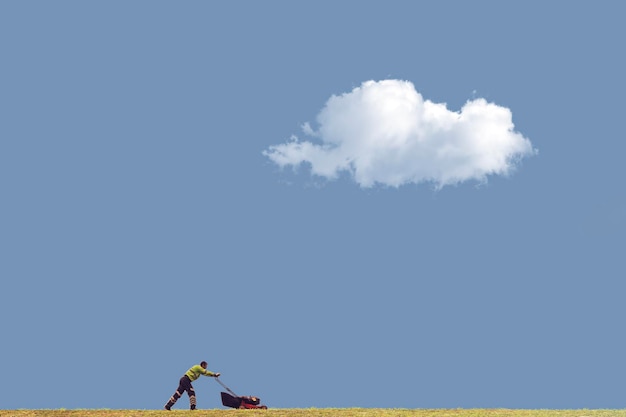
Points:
(319, 412)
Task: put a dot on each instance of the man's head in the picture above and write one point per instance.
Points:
(203, 364)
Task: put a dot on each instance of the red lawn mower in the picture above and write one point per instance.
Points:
(232, 400)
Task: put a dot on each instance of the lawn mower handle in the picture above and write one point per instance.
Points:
(225, 387)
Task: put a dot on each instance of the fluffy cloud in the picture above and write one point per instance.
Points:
(385, 133)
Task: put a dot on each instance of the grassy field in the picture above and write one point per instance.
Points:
(319, 412)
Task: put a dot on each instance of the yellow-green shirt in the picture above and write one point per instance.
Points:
(195, 371)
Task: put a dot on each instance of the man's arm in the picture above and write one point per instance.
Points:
(209, 373)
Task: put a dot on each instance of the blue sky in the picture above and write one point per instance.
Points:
(144, 226)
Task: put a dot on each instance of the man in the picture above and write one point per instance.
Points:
(185, 384)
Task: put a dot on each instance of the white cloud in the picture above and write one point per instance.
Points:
(385, 133)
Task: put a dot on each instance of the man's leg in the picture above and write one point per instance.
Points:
(192, 397)
(179, 391)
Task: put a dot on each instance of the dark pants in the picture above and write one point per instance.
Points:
(183, 385)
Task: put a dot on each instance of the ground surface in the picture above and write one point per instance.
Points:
(322, 412)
